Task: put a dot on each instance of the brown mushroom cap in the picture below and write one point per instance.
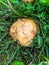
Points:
(28, 0)
(24, 30)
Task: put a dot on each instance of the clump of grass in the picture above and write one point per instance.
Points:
(10, 11)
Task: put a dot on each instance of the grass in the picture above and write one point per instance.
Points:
(10, 51)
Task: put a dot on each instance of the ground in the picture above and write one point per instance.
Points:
(10, 51)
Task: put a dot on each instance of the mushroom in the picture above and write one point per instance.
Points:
(28, 0)
(24, 30)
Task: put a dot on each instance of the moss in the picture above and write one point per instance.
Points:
(9, 13)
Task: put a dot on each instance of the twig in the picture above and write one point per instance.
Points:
(8, 43)
(13, 55)
(12, 8)
(4, 4)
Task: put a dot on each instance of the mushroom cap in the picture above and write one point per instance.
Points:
(28, 0)
(24, 30)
